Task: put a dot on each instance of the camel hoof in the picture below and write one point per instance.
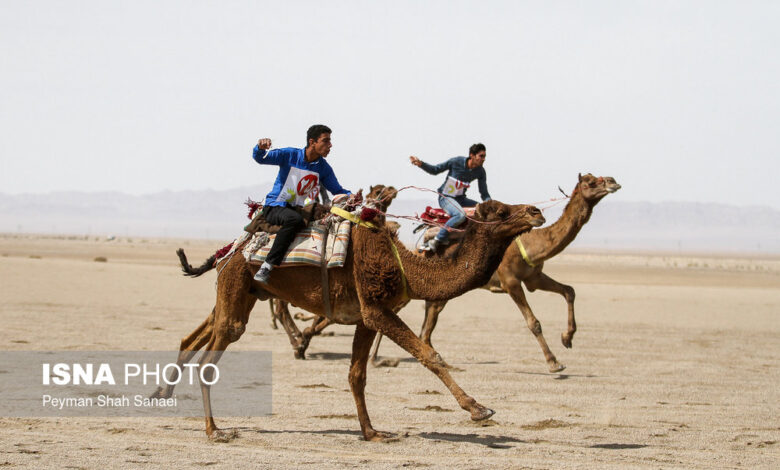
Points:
(299, 353)
(480, 413)
(219, 435)
(274, 326)
(556, 367)
(379, 436)
(566, 340)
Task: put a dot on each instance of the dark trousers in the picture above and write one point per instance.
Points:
(291, 221)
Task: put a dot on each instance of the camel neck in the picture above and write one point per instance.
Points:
(445, 277)
(544, 243)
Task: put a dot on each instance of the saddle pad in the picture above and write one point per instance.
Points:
(305, 248)
(440, 216)
(434, 215)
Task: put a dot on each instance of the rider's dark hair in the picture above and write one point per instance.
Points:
(476, 148)
(316, 131)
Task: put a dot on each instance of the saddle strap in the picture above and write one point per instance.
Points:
(324, 271)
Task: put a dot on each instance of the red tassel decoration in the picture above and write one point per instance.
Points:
(223, 251)
(368, 214)
(253, 207)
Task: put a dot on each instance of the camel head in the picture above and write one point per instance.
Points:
(381, 196)
(594, 188)
(504, 220)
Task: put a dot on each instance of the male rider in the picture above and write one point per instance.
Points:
(301, 171)
(461, 171)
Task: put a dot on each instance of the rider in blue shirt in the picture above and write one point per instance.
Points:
(301, 171)
(461, 171)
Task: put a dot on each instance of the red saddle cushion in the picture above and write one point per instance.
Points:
(440, 216)
(437, 216)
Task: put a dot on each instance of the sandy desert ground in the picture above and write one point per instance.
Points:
(676, 364)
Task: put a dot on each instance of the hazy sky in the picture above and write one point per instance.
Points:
(677, 100)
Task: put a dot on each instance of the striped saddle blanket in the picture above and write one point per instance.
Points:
(306, 249)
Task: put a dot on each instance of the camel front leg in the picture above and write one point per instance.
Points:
(361, 344)
(545, 282)
(388, 323)
(389, 362)
(515, 289)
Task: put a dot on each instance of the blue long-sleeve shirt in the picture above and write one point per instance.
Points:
(297, 179)
(458, 177)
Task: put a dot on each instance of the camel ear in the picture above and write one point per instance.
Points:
(486, 210)
(481, 212)
(579, 177)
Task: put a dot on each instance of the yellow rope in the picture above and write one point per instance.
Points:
(523, 252)
(400, 265)
(355, 219)
(351, 217)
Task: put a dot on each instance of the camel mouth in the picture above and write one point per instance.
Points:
(613, 188)
(537, 222)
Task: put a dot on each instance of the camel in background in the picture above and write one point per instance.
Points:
(379, 273)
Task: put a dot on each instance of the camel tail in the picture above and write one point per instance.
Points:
(208, 265)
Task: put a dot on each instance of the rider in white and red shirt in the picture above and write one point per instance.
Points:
(452, 194)
(301, 171)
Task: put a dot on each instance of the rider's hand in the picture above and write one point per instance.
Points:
(415, 161)
(264, 144)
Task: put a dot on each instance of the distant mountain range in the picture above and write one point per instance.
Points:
(221, 215)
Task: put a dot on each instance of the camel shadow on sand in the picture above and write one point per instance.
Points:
(491, 441)
(559, 376)
(329, 356)
(494, 442)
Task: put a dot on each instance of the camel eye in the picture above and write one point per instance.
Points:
(501, 212)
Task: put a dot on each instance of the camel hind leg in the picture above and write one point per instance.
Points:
(231, 314)
(390, 325)
(230, 324)
(189, 346)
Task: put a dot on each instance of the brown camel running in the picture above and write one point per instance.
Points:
(363, 293)
(540, 245)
